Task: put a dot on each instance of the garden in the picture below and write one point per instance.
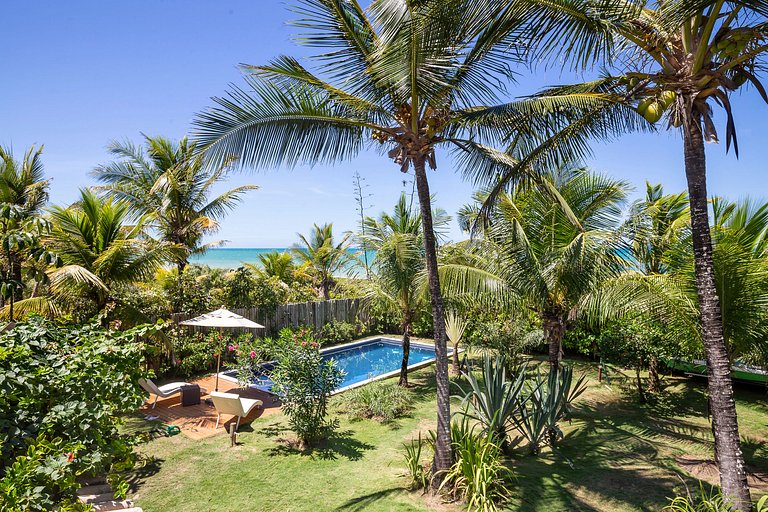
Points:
(583, 346)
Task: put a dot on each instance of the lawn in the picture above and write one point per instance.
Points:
(618, 455)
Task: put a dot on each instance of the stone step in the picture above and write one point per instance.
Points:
(106, 506)
(94, 489)
(92, 480)
(97, 498)
(134, 509)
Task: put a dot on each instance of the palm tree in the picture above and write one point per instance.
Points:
(398, 264)
(741, 277)
(275, 264)
(676, 61)
(99, 249)
(406, 75)
(324, 258)
(655, 227)
(171, 182)
(23, 194)
(548, 254)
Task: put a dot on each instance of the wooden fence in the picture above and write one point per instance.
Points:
(312, 314)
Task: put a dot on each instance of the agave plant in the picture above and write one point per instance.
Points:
(494, 399)
(550, 402)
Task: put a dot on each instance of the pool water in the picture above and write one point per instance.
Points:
(377, 357)
(359, 362)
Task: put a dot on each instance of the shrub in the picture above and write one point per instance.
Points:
(505, 336)
(478, 475)
(63, 383)
(548, 403)
(418, 472)
(494, 398)
(338, 332)
(251, 352)
(305, 382)
(711, 501)
(378, 400)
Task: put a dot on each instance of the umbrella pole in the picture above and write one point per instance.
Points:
(218, 361)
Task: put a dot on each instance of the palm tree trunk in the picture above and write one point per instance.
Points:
(406, 351)
(326, 287)
(554, 329)
(725, 427)
(456, 365)
(654, 382)
(443, 456)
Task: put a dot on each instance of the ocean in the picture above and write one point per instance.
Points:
(235, 257)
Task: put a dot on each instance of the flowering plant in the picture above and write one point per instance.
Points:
(305, 381)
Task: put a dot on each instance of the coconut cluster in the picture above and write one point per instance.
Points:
(653, 107)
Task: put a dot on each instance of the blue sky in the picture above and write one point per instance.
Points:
(80, 74)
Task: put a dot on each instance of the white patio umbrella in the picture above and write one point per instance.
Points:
(223, 319)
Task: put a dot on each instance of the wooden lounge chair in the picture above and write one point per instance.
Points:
(164, 391)
(230, 403)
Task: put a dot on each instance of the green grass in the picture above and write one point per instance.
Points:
(618, 455)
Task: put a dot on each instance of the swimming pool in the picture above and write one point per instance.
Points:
(361, 361)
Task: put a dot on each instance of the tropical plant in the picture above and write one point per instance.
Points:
(655, 227)
(707, 501)
(378, 400)
(494, 398)
(454, 330)
(478, 475)
(99, 249)
(548, 402)
(678, 60)
(72, 384)
(398, 265)
(276, 264)
(305, 381)
(339, 332)
(23, 193)
(413, 77)
(43, 478)
(416, 471)
(323, 257)
(171, 183)
(545, 252)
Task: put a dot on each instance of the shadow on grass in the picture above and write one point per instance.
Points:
(337, 444)
(146, 467)
(365, 501)
(621, 452)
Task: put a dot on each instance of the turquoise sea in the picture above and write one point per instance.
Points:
(235, 257)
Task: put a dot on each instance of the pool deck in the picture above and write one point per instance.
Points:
(199, 421)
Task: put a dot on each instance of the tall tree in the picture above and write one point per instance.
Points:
(677, 61)
(99, 248)
(324, 257)
(409, 75)
(545, 253)
(171, 185)
(23, 194)
(655, 227)
(398, 264)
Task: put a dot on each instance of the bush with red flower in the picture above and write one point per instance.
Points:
(63, 392)
(304, 381)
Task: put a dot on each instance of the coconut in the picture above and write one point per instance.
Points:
(643, 105)
(653, 112)
(666, 98)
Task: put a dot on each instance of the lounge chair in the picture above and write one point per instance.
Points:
(164, 391)
(230, 403)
